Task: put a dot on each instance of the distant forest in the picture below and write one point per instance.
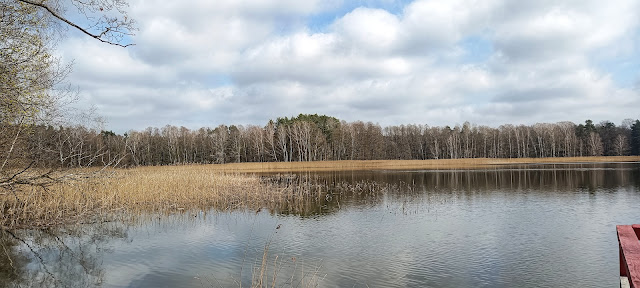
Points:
(319, 137)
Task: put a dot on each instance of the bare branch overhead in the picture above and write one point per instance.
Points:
(112, 29)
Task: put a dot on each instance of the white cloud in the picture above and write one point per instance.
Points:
(205, 63)
(369, 30)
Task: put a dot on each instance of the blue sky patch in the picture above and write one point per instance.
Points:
(478, 49)
(321, 21)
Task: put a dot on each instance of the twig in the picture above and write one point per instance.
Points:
(74, 25)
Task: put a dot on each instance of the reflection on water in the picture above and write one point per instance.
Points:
(12, 263)
(519, 226)
(70, 257)
(534, 177)
(368, 188)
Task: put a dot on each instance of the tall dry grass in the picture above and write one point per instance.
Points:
(468, 163)
(123, 192)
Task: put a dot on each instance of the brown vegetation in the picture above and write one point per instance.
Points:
(403, 164)
(125, 192)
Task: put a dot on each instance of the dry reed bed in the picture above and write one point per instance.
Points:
(470, 163)
(149, 189)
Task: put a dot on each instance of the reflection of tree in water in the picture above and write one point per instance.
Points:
(339, 189)
(12, 263)
(69, 257)
(326, 195)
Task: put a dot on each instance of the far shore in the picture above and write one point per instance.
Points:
(474, 163)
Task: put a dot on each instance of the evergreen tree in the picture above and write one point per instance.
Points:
(635, 138)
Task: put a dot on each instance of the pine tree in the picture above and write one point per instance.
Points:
(635, 138)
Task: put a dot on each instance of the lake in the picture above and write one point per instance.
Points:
(546, 225)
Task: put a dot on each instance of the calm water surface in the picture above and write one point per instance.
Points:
(527, 226)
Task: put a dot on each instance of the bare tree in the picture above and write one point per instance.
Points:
(219, 141)
(256, 139)
(283, 142)
(621, 145)
(30, 76)
(270, 141)
(594, 144)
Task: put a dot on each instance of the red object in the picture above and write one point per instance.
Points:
(629, 244)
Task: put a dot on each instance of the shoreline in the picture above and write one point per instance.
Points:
(354, 165)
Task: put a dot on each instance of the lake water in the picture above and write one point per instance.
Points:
(521, 226)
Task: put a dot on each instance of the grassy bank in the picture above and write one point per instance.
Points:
(182, 188)
(404, 164)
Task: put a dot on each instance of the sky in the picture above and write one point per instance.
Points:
(201, 63)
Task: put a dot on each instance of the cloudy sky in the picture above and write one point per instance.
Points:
(202, 63)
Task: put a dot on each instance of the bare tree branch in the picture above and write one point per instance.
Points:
(99, 37)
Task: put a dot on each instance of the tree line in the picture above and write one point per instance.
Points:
(319, 137)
